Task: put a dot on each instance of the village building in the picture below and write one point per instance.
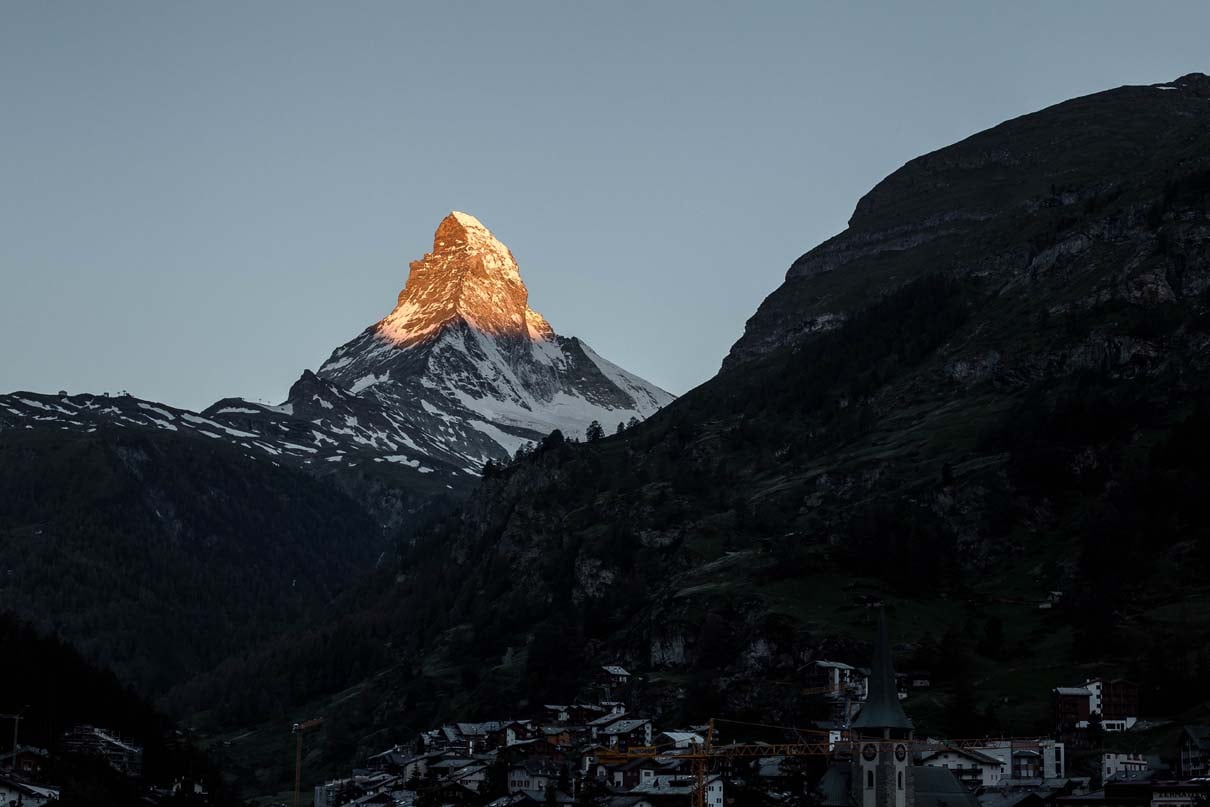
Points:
(1195, 752)
(676, 792)
(1118, 764)
(839, 679)
(627, 733)
(972, 768)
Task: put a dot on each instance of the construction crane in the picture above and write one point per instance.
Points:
(298, 730)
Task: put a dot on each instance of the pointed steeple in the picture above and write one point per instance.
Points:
(882, 709)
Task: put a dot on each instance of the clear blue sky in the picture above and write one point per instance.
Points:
(202, 199)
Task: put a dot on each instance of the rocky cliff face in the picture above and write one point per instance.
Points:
(1025, 205)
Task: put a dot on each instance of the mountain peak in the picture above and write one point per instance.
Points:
(469, 276)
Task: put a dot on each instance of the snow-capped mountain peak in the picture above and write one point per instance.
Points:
(460, 372)
(474, 370)
(469, 275)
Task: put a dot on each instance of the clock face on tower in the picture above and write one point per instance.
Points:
(901, 752)
(869, 752)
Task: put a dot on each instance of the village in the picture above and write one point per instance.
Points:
(605, 753)
(601, 752)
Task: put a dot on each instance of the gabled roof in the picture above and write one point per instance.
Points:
(969, 753)
(882, 708)
(938, 787)
(614, 669)
(606, 720)
(625, 726)
(838, 665)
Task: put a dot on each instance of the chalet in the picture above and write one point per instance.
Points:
(837, 678)
(558, 713)
(676, 792)
(406, 766)
(1038, 761)
(679, 739)
(359, 789)
(972, 768)
(630, 775)
(476, 738)
(28, 760)
(1195, 752)
(468, 772)
(517, 731)
(596, 726)
(532, 775)
(627, 733)
(615, 676)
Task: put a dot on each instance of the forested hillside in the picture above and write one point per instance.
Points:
(986, 395)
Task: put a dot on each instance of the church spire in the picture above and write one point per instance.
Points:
(882, 709)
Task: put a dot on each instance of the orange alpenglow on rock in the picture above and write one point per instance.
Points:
(471, 275)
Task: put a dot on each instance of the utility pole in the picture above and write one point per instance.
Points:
(298, 730)
(17, 718)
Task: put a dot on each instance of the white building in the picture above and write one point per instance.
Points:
(970, 767)
(1027, 760)
(1115, 764)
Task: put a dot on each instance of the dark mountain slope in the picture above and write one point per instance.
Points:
(54, 688)
(1004, 405)
(1013, 410)
(1017, 204)
(160, 555)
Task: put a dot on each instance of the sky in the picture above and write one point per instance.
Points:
(200, 200)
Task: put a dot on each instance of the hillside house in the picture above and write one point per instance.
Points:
(679, 739)
(28, 760)
(838, 678)
(615, 676)
(630, 775)
(532, 775)
(678, 792)
(1115, 764)
(627, 733)
(1072, 707)
(1116, 701)
(1038, 761)
(974, 769)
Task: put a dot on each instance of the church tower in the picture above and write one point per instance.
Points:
(882, 734)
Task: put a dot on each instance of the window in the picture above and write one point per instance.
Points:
(900, 780)
(869, 780)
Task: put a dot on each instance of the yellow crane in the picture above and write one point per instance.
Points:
(298, 730)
